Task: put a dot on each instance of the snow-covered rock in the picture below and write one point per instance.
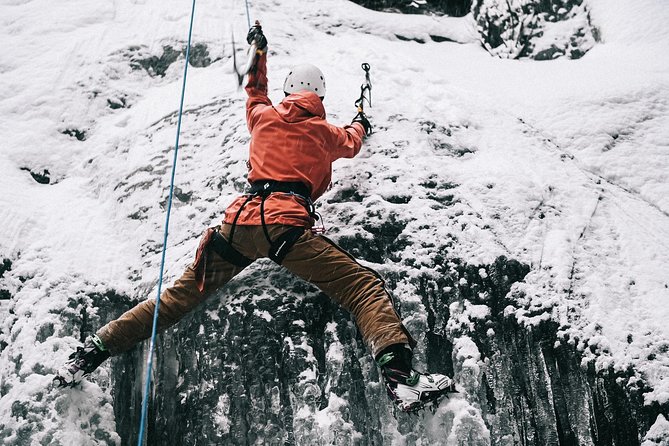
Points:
(541, 30)
(518, 211)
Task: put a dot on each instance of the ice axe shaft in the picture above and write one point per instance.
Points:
(250, 59)
(365, 90)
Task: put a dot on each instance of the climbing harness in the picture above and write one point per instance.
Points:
(365, 90)
(263, 189)
(149, 365)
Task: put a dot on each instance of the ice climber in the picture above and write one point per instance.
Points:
(290, 165)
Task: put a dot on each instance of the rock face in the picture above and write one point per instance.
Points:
(455, 8)
(535, 29)
(272, 361)
(540, 30)
(456, 203)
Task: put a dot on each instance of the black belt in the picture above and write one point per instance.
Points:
(265, 187)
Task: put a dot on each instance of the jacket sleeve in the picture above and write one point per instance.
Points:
(256, 88)
(346, 141)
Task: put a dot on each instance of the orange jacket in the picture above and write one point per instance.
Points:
(291, 142)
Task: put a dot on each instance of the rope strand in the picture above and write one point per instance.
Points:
(147, 387)
(248, 14)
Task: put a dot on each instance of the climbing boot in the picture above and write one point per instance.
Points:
(82, 363)
(410, 390)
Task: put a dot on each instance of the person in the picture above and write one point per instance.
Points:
(291, 153)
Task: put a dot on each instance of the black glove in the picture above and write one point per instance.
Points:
(362, 119)
(256, 34)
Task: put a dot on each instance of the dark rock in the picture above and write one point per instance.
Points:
(179, 194)
(409, 39)
(244, 389)
(20, 409)
(398, 199)
(347, 194)
(512, 29)
(549, 53)
(434, 184)
(5, 266)
(382, 239)
(80, 135)
(440, 38)
(182, 196)
(41, 178)
(157, 66)
(440, 139)
(140, 214)
(44, 332)
(199, 55)
(456, 8)
(116, 103)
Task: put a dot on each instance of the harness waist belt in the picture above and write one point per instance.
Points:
(266, 187)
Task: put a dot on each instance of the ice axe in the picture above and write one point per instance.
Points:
(250, 59)
(365, 90)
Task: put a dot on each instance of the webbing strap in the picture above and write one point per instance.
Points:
(227, 252)
(262, 219)
(281, 246)
(266, 187)
(239, 212)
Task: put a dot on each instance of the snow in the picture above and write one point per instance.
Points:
(566, 164)
(221, 414)
(658, 434)
(263, 314)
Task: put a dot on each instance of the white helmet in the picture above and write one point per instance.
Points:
(305, 77)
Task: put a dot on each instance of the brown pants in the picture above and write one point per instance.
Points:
(357, 289)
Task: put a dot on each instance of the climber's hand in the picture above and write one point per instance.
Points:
(256, 35)
(362, 119)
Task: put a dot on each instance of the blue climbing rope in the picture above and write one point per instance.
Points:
(248, 14)
(149, 365)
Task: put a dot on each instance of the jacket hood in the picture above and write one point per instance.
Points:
(300, 106)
